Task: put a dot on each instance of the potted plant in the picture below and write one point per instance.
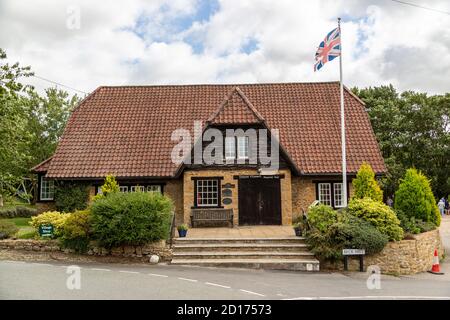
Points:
(297, 229)
(182, 230)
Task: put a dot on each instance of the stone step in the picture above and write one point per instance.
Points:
(275, 264)
(296, 247)
(282, 240)
(242, 255)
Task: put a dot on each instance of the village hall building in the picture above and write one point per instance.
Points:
(127, 131)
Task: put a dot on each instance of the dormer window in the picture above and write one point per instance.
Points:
(242, 149)
(230, 148)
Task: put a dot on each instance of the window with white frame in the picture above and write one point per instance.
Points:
(207, 192)
(337, 193)
(243, 147)
(324, 190)
(47, 191)
(123, 188)
(137, 189)
(230, 148)
(154, 188)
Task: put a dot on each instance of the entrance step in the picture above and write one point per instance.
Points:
(243, 255)
(286, 240)
(275, 264)
(289, 253)
(244, 246)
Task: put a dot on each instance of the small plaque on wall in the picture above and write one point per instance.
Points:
(227, 192)
(228, 185)
(227, 201)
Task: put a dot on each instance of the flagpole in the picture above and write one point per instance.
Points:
(344, 157)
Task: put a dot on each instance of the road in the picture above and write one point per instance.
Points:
(32, 280)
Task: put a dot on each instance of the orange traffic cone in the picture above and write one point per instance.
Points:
(436, 269)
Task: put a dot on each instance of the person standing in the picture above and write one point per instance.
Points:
(441, 206)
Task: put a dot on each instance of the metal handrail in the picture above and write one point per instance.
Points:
(172, 230)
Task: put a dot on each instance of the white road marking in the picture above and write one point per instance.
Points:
(42, 264)
(10, 261)
(186, 279)
(217, 285)
(100, 269)
(251, 292)
(158, 275)
(371, 297)
(125, 271)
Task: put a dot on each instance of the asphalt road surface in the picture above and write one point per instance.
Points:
(32, 280)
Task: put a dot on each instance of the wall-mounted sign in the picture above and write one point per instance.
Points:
(227, 201)
(227, 192)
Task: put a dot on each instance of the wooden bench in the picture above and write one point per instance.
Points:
(211, 215)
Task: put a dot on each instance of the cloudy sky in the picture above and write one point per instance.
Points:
(85, 43)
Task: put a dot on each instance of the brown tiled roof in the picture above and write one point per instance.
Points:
(236, 109)
(41, 167)
(127, 130)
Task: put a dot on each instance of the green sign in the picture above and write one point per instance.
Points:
(46, 230)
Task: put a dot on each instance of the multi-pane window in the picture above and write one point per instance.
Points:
(137, 189)
(154, 188)
(243, 147)
(325, 193)
(337, 191)
(47, 189)
(207, 192)
(230, 148)
(123, 188)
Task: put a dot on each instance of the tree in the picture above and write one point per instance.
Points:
(365, 184)
(413, 130)
(414, 198)
(30, 124)
(109, 186)
(13, 134)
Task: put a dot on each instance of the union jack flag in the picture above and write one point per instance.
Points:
(329, 49)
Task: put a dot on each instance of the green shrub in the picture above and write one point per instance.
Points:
(360, 234)
(379, 215)
(348, 233)
(55, 218)
(131, 218)
(321, 217)
(71, 196)
(109, 186)
(365, 185)
(7, 229)
(415, 198)
(17, 212)
(408, 224)
(76, 231)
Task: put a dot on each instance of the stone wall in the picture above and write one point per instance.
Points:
(401, 257)
(228, 177)
(45, 206)
(139, 252)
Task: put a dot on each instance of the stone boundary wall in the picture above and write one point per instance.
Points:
(138, 252)
(403, 257)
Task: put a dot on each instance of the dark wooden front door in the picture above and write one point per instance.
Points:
(259, 200)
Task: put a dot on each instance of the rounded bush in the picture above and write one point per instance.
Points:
(7, 229)
(415, 198)
(348, 233)
(377, 214)
(321, 217)
(133, 218)
(55, 218)
(76, 231)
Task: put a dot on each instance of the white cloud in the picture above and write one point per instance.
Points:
(385, 42)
